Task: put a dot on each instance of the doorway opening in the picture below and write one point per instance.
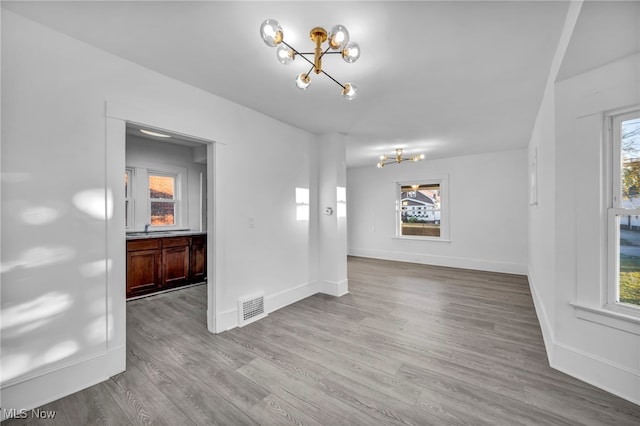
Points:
(165, 203)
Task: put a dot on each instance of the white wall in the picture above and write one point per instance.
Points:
(488, 212)
(158, 155)
(63, 133)
(584, 341)
(567, 228)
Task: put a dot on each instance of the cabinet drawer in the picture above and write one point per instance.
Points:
(146, 244)
(176, 242)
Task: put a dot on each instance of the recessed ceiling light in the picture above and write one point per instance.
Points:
(149, 132)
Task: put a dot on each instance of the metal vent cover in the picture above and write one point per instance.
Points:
(251, 309)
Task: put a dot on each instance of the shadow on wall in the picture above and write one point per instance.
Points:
(38, 330)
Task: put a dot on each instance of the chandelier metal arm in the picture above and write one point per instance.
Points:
(298, 53)
(313, 65)
(336, 81)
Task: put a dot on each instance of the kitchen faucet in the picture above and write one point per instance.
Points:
(146, 227)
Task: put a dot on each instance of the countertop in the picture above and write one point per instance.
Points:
(163, 234)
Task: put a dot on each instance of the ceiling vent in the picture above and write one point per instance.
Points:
(250, 309)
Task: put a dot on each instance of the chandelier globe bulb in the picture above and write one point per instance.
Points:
(351, 52)
(350, 91)
(271, 32)
(285, 54)
(338, 37)
(303, 81)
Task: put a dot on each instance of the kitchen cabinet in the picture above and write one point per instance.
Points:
(143, 266)
(198, 257)
(161, 263)
(175, 261)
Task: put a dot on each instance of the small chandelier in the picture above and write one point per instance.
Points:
(399, 158)
(337, 39)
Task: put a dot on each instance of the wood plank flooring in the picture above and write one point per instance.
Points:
(410, 345)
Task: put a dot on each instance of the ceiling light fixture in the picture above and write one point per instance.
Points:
(149, 132)
(399, 158)
(337, 39)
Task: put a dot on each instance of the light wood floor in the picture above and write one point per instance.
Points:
(410, 344)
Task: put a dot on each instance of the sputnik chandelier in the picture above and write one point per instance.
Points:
(337, 40)
(399, 158)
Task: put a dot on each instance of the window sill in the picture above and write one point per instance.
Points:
(418, 238)
(609, 318)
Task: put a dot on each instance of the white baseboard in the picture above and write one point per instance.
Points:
(56, 383)
(227, 320)
(337, 289)
(116, 360)
(452, 262)
(596, 371)
(548, 335)
(275, 301)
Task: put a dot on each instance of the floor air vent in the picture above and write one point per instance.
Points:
(250, 309)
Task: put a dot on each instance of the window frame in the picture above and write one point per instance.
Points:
(615, 209)
(175, 200)
(129, 213)
(443, 181)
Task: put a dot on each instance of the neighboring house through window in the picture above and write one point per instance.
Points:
(422, 209)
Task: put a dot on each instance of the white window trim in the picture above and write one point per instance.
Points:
(141, 203)
(443, 181)
(615, 209)
(129, 197)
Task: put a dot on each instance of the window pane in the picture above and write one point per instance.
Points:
(162, 213)
(629, 272)
(126, 184)
(420, 210)
(630, 145)
(161, 187)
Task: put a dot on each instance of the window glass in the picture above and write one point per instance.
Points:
(162, 213)
(162, 200)
(420, 210)
(161, 186)
(628, 291)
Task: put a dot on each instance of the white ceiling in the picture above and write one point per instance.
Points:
(442, 78)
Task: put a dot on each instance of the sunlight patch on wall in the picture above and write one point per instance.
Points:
(95, 203)
(95, 269)
(59, 351)
(39, 309)
(95, 331)
(39, 215)
(39, 256)
(341, 198)
(13, 366)
(302, 204)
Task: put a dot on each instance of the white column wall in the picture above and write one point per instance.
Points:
(332, 230)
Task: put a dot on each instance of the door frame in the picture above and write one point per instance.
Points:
(117, 116)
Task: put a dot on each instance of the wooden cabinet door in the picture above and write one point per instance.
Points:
(143, 271)
(175, 261)
(198, 259)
